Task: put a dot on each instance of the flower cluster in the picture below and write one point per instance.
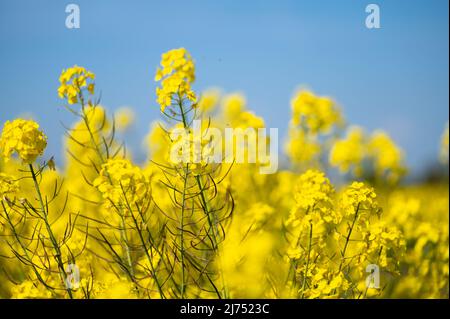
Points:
(313, 118)
(377, 240)
(24, 138)
(313, 196)
(316, 113)
(208, 100)
(325, 284)
(209, 229)
(122, 183)
(301, 148)
(236, 114)
(313, 189)
(376, 152)
(176, 74)
(387, 157)
(358, 198)
(188, 149)
(73, 80)
(349, 153)
(344, 225)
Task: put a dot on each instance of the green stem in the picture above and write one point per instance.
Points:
(123, 235)
(213, 227)
(205, 204)
(91, 134)
(141, 238)
(308, 259)
(58, 255)
(347, 240)
(124, 240)
(24, 249)
(293, 263)
(183, 283)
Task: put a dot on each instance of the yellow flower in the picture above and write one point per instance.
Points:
(313, 117)
(313, 196)
(301, 147)
(233, 105)
(73, 80)
(187, 149)
(29, 290)
(24, 138)
(387, 157)
(349, 152)
(313, 189)
(122, 183)
(379, 150)
(359, 197)
(325, 284)
(315, 113)
(110, 286)
(209, 100)
(176, 75)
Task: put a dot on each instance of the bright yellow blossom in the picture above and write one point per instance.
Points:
(377, 154)
(359, 198)
(208, 100)
(313, 119)
(176, 75)
(316, 114)
(72, 81)
(349, 152)
(202, 229)
(24, 138)
(122, 183)
(314, 196)
(387, 157)
(313, 190)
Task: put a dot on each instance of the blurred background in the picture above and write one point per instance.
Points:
(395, 78)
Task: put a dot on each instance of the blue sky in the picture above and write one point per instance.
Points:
(394, 78)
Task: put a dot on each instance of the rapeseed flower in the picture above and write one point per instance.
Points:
(24, 138)
(176, 74)
(359, 198)
(120, 181)
(73, 81)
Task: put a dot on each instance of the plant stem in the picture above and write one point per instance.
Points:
(183, 200)
(141, 238)
(55, 245)
(123, 235)
(308, 259)
(347, 240)
(24, 249)
(212, 224)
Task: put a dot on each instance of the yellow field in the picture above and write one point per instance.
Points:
(102, 226)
